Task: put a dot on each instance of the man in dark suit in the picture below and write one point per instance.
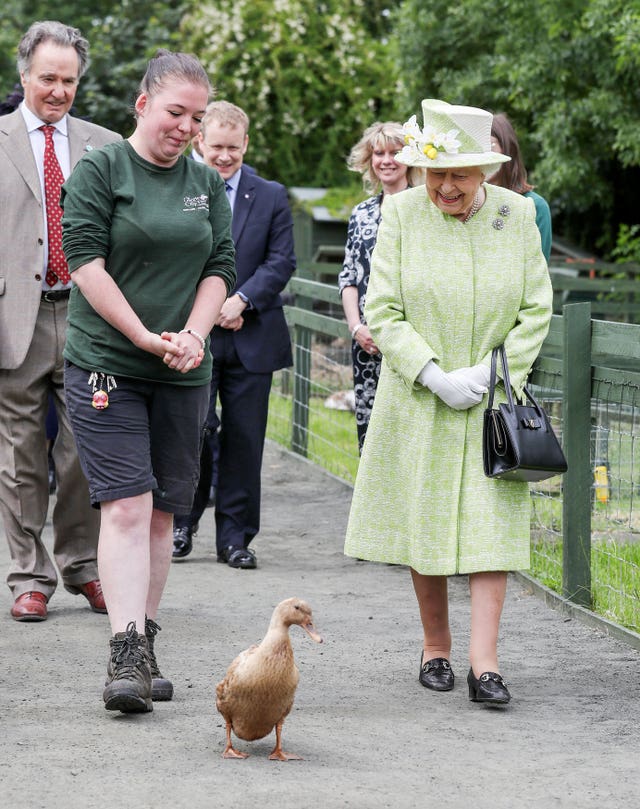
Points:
(34, 291)
(250, 341)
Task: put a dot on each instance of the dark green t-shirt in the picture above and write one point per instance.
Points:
(160, 232)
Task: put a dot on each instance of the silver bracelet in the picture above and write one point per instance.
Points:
(196, 335)
(356, 329)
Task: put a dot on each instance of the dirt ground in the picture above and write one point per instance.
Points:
(370, 735)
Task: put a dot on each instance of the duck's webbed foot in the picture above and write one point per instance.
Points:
(278, 754)
(229, 750)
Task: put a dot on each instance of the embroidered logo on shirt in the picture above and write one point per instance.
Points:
(199, 203)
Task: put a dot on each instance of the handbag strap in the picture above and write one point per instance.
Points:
(507, 380)
(505, 376)
(494, 376)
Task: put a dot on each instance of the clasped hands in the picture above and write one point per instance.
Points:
(459, 389)
(181, 352)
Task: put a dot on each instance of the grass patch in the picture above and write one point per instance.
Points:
(615, 577)
(332, 436)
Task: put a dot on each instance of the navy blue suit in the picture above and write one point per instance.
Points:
(244, 360)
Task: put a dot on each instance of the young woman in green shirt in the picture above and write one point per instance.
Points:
(147, 237)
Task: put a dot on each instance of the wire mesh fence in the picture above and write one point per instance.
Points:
(615, 506)
(331, 432)
(615, 518)
(615, 460)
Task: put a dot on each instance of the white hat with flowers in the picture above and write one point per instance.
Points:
(453, 136)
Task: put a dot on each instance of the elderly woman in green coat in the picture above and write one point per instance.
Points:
(456, 271)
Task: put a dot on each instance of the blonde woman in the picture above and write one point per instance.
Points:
(373, 157)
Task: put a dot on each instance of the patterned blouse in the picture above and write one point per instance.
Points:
(361, 239)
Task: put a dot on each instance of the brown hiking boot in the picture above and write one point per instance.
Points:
(161, 688)
(128, 686)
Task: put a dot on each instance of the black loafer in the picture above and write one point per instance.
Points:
(436, 674)
(488, 687)
(243, 558)
(182, 542)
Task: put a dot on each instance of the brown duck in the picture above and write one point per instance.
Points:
(257, 692)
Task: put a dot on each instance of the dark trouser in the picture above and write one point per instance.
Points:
(209, 457)
(244, 404)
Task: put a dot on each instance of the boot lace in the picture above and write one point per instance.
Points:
(129, 654)
(151, 629)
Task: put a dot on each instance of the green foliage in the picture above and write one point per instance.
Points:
(628, 245)
(17, 16)
(310, 76)
(338, 201)
(122, 38)
(10, 33)
(565, 71)
(121, 45)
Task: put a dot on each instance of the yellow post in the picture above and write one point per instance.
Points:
(601, 481)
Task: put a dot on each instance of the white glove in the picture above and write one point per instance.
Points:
(458, 389)
(476, 376)
(431, 376)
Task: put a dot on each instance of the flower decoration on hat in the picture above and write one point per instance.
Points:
(428, 141)
(453, 136)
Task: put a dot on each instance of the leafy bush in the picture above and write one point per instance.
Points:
(565, 71)
(311, 76)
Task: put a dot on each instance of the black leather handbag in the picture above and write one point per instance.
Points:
(518, 442)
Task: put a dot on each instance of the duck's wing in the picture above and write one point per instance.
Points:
(234, 674)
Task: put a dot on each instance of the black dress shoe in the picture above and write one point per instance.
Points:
(488, 687)
(436, 674)
(182, 542)
(243, 558)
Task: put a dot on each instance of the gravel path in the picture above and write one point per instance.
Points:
(370, 735)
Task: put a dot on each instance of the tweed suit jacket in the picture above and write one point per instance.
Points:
(22, 228)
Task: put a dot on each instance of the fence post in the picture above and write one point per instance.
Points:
(576, 498)
(301, 390)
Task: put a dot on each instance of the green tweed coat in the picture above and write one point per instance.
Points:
(447, 291)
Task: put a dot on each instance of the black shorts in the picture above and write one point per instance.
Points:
(147, 438)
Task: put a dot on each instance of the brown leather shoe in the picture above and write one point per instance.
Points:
(30, 607)
(92, 591)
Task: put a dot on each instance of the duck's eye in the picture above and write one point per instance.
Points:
(297, 606)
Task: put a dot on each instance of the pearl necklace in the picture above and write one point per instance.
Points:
(475, 207)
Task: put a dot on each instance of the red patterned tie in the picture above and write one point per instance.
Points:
(53, 180)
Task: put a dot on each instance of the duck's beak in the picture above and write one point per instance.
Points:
(310, 629)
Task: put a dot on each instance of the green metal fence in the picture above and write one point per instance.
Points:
(586, 525)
